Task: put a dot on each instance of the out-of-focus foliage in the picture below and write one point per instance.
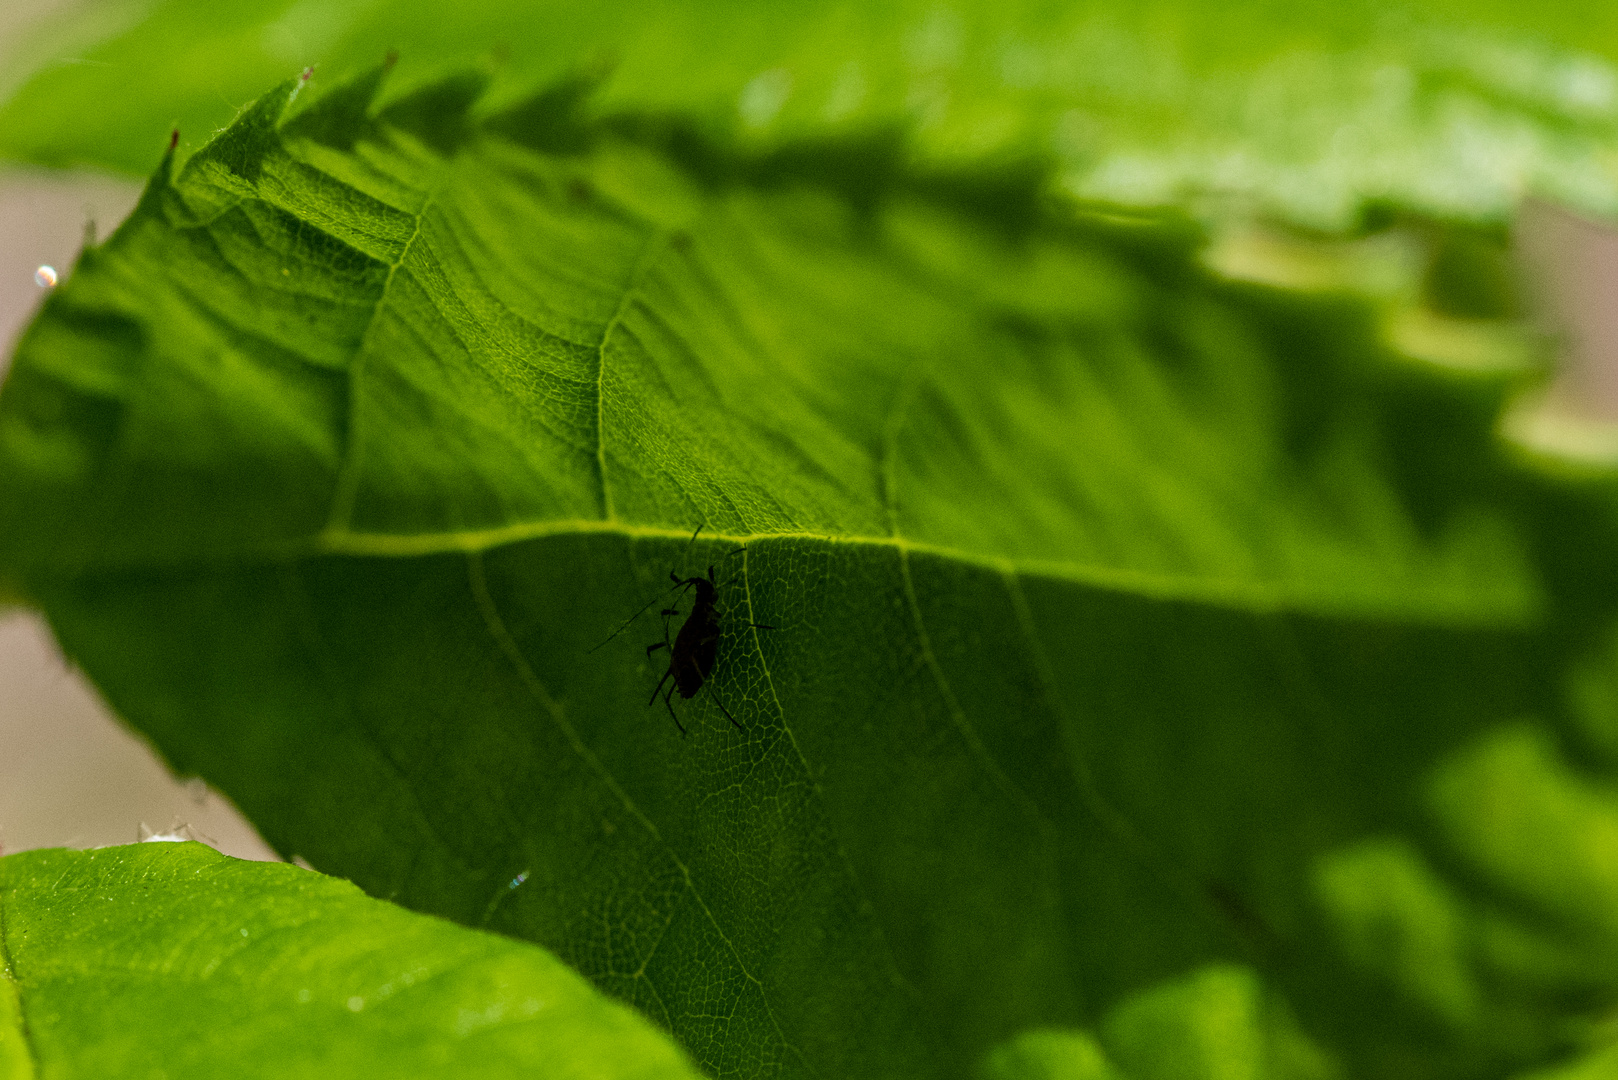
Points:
(1448, 106)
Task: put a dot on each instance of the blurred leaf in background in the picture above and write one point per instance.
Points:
(1449, 106)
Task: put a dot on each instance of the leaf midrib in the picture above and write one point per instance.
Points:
(1453, 609)
(1253, 597)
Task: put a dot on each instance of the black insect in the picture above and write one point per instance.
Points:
(695, 649)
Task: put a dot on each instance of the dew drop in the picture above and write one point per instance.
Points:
(356, 1003)
(45, 276)
(518, 880)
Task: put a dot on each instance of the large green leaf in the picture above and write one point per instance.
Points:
(1163, 659)
(172, 960)
(1309, 109)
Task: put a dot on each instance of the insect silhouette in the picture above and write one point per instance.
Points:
(695, 649)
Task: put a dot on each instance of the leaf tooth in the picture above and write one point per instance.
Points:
(151, 200)
(243, 146)
(340, 117)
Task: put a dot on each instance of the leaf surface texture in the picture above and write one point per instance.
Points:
(172, 959)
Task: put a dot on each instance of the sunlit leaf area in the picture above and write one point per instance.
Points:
(1001, 541)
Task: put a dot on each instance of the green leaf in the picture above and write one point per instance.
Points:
(1049, 1055)
(173, 960)
(1310, 110)
(1218, 1023)
(1149, 613)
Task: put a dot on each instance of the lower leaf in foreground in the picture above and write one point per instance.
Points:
(172, 960)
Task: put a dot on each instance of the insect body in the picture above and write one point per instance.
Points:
(695, 649)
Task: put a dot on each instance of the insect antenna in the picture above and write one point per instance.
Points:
(642, 611)
(655, 599)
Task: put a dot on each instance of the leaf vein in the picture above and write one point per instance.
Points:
(341, 513)
(866, 907)
(952, 705)
(649, 255)
(313, 642)
(502, 636)
(1109, 816)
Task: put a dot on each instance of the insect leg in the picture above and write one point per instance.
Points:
(652, 648)
(660, 683)
(715, 695)
(677, 584)
(670, 706)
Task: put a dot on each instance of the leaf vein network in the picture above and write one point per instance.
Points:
(1110, 817)
(313, 643)
(508, 645)
(809, 777)
(639, 974)
(957, 713)
(893, 425)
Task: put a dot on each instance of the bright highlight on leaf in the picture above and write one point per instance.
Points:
(1172, 673)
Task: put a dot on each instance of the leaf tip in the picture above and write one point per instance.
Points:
(161, 180)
